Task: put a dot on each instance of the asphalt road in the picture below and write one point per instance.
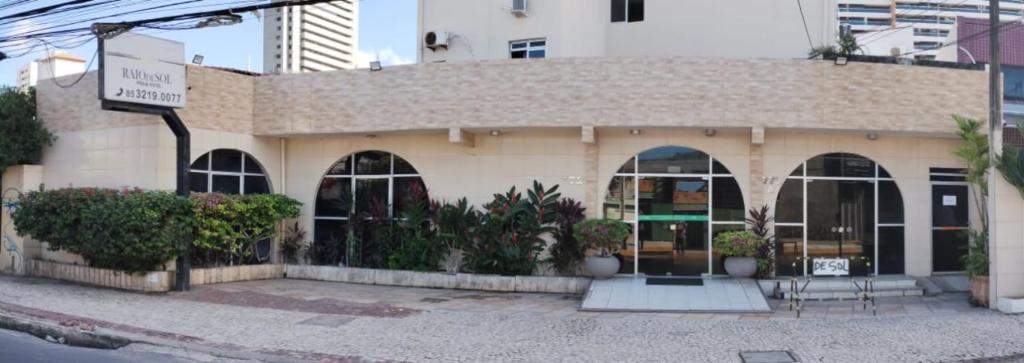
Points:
(23, 348)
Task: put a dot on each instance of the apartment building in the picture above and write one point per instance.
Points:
(312, 38)
(56, 64)
(930, 21)
(461, 30)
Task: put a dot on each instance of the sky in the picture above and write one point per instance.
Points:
(387, 31)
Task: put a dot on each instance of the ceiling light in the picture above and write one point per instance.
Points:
(872, 136)
(634, 131)
(710, 132)
(495, 133)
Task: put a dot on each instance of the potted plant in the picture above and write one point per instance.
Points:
(976, 265)
(605, 237)
(740, 250)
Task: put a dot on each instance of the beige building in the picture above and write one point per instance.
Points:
(312, 38)
(496, 29)
(679, 148)
(56, 64)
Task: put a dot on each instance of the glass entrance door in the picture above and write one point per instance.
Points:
(949, 226)
(673, 225)
(841, 221)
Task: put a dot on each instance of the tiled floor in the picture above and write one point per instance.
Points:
(716, 295)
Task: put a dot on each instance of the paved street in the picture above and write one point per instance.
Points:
(350, 323)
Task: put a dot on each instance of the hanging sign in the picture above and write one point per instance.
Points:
(831, 266)
(144, 70)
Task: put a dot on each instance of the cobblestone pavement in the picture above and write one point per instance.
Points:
(406, 324)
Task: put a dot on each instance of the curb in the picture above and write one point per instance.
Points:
(63, 335)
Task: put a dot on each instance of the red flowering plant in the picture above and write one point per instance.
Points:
(738, 244)
(509, 237)
(603, 235)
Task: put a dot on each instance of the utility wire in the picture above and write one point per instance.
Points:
(804, 19)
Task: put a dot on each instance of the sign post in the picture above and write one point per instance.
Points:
(144, 74)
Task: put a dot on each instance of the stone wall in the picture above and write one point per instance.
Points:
(621, 92)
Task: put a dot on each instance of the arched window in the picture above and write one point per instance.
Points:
(839, 205)
(368, 184)
(676, 199)
(229, 172)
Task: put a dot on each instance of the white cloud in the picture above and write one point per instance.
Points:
(386, 56)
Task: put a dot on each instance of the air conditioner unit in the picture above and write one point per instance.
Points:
(519, 7)
(436, 39)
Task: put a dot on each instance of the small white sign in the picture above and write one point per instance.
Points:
(831, 266)
(144, 70)
(949, 200)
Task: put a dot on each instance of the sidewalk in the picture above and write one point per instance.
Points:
(331, 322)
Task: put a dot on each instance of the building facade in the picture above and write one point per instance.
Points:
(492, 29)
(313, 38)
(930, 21)
(56, 64)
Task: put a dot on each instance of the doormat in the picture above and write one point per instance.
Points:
(675, 281)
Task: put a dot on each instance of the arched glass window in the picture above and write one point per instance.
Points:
(229, 172)
(676, 199)
(840, 205)
(368, 184)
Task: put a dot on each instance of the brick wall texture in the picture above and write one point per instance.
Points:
(566, 92)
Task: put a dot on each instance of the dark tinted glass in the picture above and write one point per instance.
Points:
(372, 197)
(789, 244)
(948, 249)
(789, 208)
(674, 160)
(198, 182)
(636, 10)
(227, 184)
(718, 168)
(727, 200)
(227, 160)
(256, 185)
(333, 198)
(890, 250)
(949, 206)
(342, 167)
(373, 163)
(517, 54)
(406, 189)
(403, 167)
(252, 166)
(329, 240)
(537, 54)
(841, 165)
(882, 173)
(629, 167)
(890, 203)
(203, 163)
(618, 10)
(799, 171)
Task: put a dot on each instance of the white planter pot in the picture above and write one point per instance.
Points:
(602, 267)
(741, 267)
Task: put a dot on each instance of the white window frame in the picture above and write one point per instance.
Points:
(529, 47)
(209, 172)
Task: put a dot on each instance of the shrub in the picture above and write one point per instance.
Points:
(292, 243)
(738, 244)
(130, 230)
(567, 252)
(976, 259)
(229, 227)
(759, 221)
(24, 135)
(509, 237)
(604, 235)
(418, 248)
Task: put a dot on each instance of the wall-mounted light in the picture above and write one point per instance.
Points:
(197, 59)
(375, 66)
(634, 131)
(841, 61)
(495, 132)
(872, 136)
(710, 132)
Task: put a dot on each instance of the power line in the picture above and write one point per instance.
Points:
(803, 18)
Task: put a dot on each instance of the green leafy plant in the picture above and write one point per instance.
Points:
(24, 135)
(418, 247)
(509, 238)
(456, 227)
(603, 235)
(738, 244)
(567, 251)
(760, 221)
(1011, 165)
(228, 227)
(976, 260)
(129, 230)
